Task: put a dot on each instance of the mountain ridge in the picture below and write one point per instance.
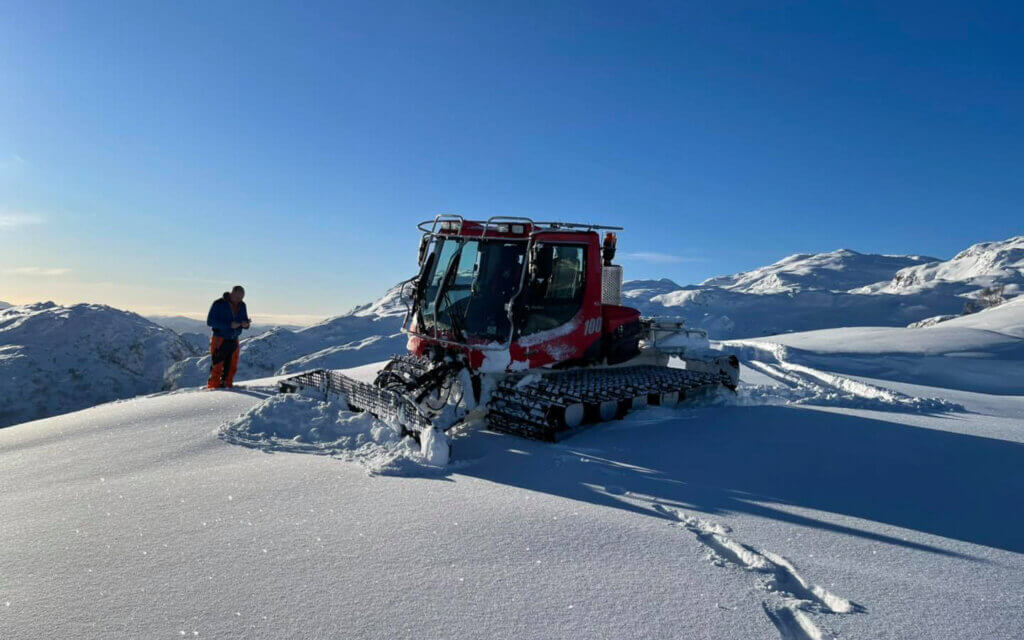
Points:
(55, 359)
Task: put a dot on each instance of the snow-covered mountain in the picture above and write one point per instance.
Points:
(367, 333)
(840, 270)
(836, 289)
(55, 359)
(986, 264)
(5, 305)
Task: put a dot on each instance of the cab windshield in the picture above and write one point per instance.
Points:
(468, 285)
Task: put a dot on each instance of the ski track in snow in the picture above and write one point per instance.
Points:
(777, 575)
(804, 385)
(793, 624)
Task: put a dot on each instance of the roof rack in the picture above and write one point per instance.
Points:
(577, 225)
(431, 226)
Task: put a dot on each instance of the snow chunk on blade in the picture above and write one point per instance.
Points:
(300, 424)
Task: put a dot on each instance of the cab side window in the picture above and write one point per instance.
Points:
(555, 291)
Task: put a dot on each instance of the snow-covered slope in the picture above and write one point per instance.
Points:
(368, 333)
(769, 516)
(55, 359)
(840, 270)
(981, 352)
(4, 305)
(642, 291)
(981, 265)
(837, 289)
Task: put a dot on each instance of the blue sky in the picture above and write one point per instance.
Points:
(153, 153)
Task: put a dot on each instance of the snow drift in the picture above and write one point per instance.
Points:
(300, 424)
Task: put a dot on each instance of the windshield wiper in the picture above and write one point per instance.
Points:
(442, 294)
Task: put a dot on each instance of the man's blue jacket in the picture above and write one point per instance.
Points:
(222, 315)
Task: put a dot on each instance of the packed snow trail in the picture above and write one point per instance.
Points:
(800, 384)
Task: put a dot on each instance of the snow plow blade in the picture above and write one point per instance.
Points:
(390, 406)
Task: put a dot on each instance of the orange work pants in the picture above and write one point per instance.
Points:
(223, 362)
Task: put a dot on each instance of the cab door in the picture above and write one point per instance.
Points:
(560, 315)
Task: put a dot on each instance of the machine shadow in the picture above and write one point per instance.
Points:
(727, 460)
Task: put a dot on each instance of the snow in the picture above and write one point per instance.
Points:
(981, 265)
(981, 352)
(434, 449)
(932, 321)
(298, 424)
(840, 270)
(837, 289)
(495, 359)
(857, 515)
(1007, 319)
(55, 359)
(541, 337)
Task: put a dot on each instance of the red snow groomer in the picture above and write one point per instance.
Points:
(521, 323)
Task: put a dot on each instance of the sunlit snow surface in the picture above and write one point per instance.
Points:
(891, 511)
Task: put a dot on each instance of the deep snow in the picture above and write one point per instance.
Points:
(864, 518)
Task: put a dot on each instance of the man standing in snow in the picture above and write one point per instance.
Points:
(228, 316)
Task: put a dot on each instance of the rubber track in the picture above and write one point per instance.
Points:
(530, 407)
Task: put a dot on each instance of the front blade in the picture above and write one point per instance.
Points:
(387, 405)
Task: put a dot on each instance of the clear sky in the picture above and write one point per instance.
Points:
(153, 153)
